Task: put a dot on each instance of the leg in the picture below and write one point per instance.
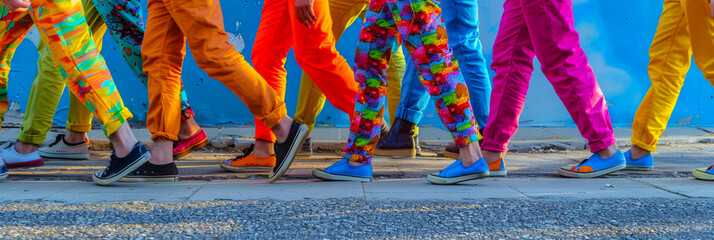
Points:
(214, 54)
(63, 27)
(564, 63)
(13, 27)
(310, 99)
(395, 74)
(670, 56)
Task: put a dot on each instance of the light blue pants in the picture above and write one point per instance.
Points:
(461, 20)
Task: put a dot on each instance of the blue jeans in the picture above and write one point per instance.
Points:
(461, 20)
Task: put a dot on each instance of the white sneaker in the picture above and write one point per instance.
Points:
(13, 159)
(61, 149)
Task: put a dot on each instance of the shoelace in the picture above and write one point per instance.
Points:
(246, 152)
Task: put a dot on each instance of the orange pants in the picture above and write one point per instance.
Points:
(200, 22)
(315, 52)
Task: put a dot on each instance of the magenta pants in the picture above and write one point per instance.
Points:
(543, 28)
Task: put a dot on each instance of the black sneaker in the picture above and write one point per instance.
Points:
(150, 172)
(118, 168)
(286, 151)
(306, 149)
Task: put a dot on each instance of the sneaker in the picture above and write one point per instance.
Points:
(13, 159)
(193, 143)
(249, 162)
(457, 172)
(118, 167)
(61, 149)
(3, 170)
(343, 171)
(645, 163)
(595, 166)
(150, 172)
(286, 152)
(451, 151)
(306, 149)
(704, 173)
(497, 168)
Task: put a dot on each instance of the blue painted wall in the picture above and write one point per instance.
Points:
(615, 34)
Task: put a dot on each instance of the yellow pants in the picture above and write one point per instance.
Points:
(686, 27)
(310, 98)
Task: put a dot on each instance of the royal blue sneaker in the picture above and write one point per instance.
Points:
(456, 173)
(343, 171)
(595, 166)
(704, 173)
(645, 163)
(3, 170)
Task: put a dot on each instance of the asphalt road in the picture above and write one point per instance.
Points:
(361, 219)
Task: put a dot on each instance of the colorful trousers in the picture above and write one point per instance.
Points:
(416, 23)
(314, 49)
(63, 28)
(126, 25)
(462, 23)
(171, 24)
(311, 99)
(686, 28)
(543, 28)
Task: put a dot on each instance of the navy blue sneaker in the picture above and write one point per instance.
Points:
(343, 171)
(645, 163)
(3, 170)
(118, 168)
(595, 166)
(456, 173)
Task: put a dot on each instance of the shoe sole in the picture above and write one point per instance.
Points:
(639, 168)
(190, 149)
(150, 179)
(3, 176)
(699, 174)
(395, 153)
(435, 179)
(29, 164)
(568, 173)
(244, 169)
(498, 173)
(292, 152)
(65, 156)
(318, 173)
(451, 155)
(106, 181)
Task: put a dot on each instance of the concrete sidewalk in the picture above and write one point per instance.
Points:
(392, 189)
(334, 139)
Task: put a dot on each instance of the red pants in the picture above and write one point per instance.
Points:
(315, 52)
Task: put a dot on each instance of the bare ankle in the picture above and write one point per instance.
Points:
(282, 129)
(74, 137)
(189, 127)
(161, 152)
(608, 152)
(263, 148)
(470, 153)
(25, 148)
(637, 152)
(492, 156)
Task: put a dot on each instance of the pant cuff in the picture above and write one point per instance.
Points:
(641, 144)
(33, 139)
(110, 126)
(274, 117)
(409, 115)
(75, 127)
(491, 145)
(602, 143)
(164, 136)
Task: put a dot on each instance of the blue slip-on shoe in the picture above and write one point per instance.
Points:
(3, 170)
(457, 172)
(704, 173)
(595, 166)
(343, 171)
(645, 163)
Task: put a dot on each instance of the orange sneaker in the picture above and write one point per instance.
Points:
(249, 162)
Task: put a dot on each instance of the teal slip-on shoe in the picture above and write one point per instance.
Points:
(704, 173)
(457, 172)
(343, 171)
(595, 166)
(645, 163)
